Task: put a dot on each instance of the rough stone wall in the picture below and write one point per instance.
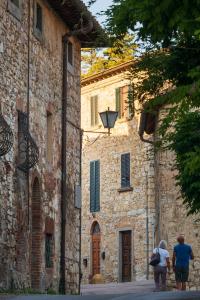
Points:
(118, 211)
(173, 219)
(46, 65)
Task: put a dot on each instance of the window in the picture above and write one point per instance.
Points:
(49, 140)
(125, 170)
(95, 186)
(49, 250)
(38, 20)
(15, 2)
(70, 53)
(94, 110)
(121, 97)
(14, 7)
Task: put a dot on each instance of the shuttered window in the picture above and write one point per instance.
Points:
(118, 102)
(125, 170)
(95, 186)
(121, 101)
(94, 110)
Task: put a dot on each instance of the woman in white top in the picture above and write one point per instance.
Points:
(160, 270)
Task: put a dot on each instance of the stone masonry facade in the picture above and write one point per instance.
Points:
(119, 210)
(30, 201)
(151, 210)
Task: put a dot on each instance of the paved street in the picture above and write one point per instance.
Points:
(134, 296)
(141, 290)
(144, 286)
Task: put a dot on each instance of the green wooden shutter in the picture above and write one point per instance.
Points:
(118, 102)
(130, 99)
(97, 185)
(96, 110)
(92, 110)
(125, 170)
(94, 186)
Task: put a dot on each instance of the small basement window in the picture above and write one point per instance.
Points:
(15, 8)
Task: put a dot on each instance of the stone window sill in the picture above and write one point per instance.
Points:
(126, 189)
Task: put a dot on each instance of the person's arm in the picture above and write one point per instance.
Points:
(191, 254)
(173, 261)
(153, 253)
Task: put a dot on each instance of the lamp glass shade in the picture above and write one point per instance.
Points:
(108, 118)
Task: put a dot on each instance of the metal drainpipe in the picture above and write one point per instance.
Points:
(28, 107)
(147, 228)
(62, 285)
(80, 212)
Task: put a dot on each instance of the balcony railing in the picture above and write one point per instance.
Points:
(28, 150)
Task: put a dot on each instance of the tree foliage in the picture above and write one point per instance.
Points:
(172, 69)
(96, 60)
(185, 141)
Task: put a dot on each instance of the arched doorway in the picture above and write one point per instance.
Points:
(36, 236)
(96, 240)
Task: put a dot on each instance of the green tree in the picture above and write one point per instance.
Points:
(171, 29)
(95, 60)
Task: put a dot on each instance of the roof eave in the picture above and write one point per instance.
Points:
(71, 12)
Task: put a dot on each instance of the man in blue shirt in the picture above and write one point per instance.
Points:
(180, 261)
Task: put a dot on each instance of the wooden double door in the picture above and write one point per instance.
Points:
(126, 256)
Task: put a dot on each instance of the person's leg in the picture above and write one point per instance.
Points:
(179, 285)
(163, 278)
(157, 278)
(178, 277)
(183, 286)
(185, 275)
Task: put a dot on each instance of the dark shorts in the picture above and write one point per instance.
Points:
(181, 274)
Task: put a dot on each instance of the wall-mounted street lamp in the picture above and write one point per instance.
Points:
(108, 119)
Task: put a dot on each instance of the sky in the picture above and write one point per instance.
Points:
(98, 7)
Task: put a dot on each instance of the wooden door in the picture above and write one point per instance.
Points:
(126, 256)
(96, 239)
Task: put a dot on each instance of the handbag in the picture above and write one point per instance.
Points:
(155, 258)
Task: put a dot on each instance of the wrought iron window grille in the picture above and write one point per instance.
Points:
(28, 150)
(6, 136)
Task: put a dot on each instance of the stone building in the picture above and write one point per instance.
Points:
(114, 224)
(40, 141)
(129, 197)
